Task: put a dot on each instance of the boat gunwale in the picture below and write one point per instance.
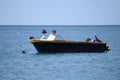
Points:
(63, 41)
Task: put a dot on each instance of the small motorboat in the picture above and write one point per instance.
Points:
(50, 44)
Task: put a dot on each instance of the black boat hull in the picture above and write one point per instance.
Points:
(68, 46)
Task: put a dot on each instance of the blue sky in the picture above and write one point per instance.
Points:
(59, 12)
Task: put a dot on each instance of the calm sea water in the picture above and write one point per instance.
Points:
(59, 66)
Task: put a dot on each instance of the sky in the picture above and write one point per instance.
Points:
(59, 12)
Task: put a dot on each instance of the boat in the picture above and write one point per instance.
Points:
(50, 44)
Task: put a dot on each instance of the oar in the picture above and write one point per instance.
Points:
(23, 51)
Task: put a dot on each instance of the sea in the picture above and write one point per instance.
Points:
(32, 65)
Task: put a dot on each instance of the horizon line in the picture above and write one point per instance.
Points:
(60, 25)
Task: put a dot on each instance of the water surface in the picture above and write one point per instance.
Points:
(58, 66)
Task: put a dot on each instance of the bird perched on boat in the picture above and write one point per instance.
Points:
(54, 32)
(96, 39)
(88, 39)
(44, 31)
(44, 34)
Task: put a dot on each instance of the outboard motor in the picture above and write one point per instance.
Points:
(107, 48)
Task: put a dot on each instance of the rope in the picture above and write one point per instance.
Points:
(25, 47)
(60, 37)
